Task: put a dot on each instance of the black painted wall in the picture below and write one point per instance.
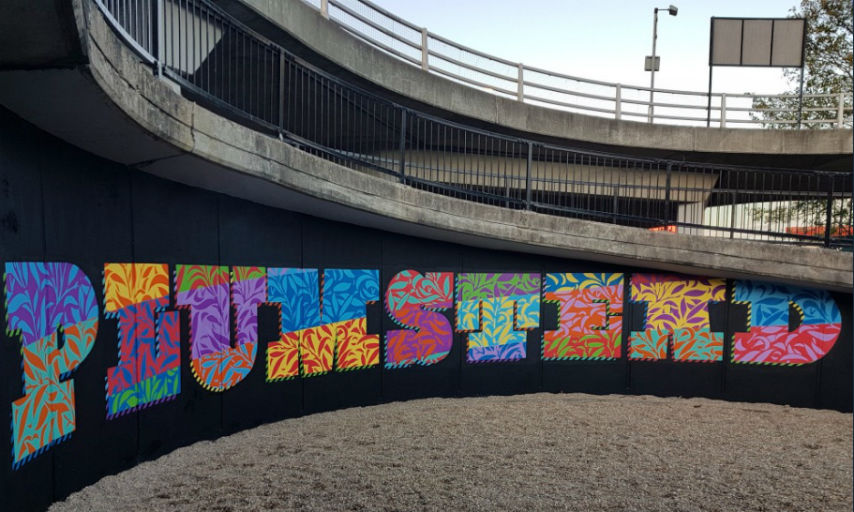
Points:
(58, 203)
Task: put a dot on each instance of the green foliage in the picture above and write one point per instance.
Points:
(828, 68)
(812, 213)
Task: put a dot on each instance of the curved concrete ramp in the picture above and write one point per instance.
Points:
(807, 148)
(140, 120)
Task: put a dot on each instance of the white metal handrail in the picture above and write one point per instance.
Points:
(381, 28)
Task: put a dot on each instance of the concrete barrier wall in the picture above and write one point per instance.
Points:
(140, 315)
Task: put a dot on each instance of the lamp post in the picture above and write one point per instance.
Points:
(672, 10)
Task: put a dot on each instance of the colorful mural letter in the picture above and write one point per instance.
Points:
(769, 340)
(148, 371)
(412, 300)
(43, 299)
(677, 310)
(345, 294)
(210, 293)
(496, 309)
(296, 292)
(590, 314)
(316, 339)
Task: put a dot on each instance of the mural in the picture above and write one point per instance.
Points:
(413, 301)
(677, 313)
(248, 291)
(148, 370)
(46, 301)
(209, 293)
(496, 310)
(53, 311)
(319, 333)
(590, 313)
(187, 352)
(768, 339)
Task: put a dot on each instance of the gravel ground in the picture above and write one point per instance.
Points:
(531, 452)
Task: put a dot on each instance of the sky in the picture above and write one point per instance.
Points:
(601, 39)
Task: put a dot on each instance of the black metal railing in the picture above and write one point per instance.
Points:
(231, 69)
(206, 51)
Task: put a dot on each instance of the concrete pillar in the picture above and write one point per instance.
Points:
(693, 214)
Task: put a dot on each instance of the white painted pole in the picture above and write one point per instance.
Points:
(425, 51)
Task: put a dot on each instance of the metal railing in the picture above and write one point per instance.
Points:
(229, 68)
(436, 54)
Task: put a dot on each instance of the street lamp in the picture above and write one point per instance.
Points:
(652, 65)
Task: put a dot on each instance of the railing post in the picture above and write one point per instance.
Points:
(723, 110)
(324, 8)
(528, 176)
(840, 109)
(425, 50)
(732, 214)
(520, 83)
(403, 145)
(160, 36)
(667, 194)
(618, 103)
(828, 211)
(282, 64)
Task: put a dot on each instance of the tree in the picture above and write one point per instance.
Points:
(828, 68)
(806, 214)
(829, 71)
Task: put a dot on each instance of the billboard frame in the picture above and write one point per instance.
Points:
(770, 56)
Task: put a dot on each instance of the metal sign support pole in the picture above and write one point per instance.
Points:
(709, 96)
(801, 99)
